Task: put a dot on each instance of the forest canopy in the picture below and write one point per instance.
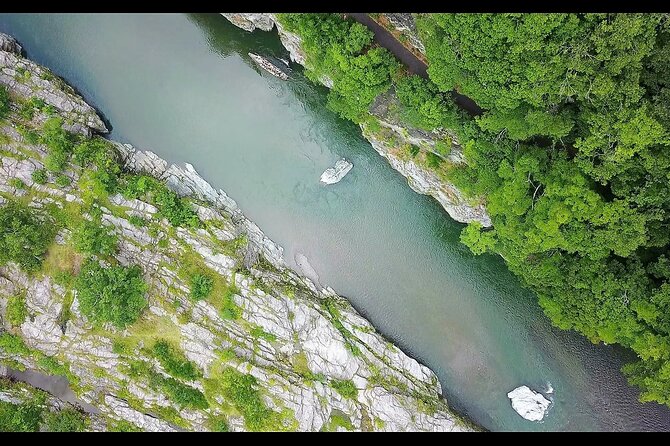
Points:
(570, 154)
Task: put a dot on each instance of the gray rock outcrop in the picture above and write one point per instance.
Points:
(9, 44)
(404, 22)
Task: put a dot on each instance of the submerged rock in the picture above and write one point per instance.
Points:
(334, 174)
(529, 404)
(306, 268)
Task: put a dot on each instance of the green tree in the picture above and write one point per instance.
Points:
(25, 235)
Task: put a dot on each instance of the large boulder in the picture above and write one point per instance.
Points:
(334, 174)
(529, 404)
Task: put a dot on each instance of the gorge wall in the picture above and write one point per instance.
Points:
(304, 352)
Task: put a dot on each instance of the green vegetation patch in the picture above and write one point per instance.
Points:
(345, 387)
(201, 286)
(175, 209)
(25, 235)
(92, 237)
(114, 294)
(174, 362)
(16, 311)
(66, 420)
(4, 102)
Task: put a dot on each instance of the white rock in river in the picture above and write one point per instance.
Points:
(528, 403)
(334, 174)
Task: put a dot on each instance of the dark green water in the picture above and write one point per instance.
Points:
(184, 87)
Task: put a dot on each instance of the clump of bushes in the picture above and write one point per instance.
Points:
(17, 183)
(93, 238)
(174, 362)
(241, 390)
(114, 294)
(423, 105)
(4, 102)
(175, 209)
(345, 387)
(66, 420)
(39, 176)
(16, 311)
(25, 235)
(25, 417)
(201, 286)
(178, 392)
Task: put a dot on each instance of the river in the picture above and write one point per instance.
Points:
(184, 87)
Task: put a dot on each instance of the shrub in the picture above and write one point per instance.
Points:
(114, 294)
(423, 105)
(66, 420)
(346, 388)
(59, 142)
(16, 309)
(63, 180)
(4, 102)
(175, 209)
(25, 417)
(25, 235)
(218, 425)
(39, 176)
(137, 221)
(241, 390)
(30, 136)
(174, 362)
(181, 394)
(93, 238)
(433, 160)
(201, 286)
(17, 183)
(230, 310)
(13, 344)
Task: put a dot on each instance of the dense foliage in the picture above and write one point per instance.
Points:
(201, 286)
(342, 51)
(25, 417)
(93, 237)
(25, 235)
(4, 102)
(66, 420)
(16, 311)
(114, 294)
(175, 209)
(571, 155)
(33, 415)
(174, 362)
(241, 390)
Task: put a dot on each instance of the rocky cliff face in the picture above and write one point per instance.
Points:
(404, 23)
(420, 178)
(313, 360)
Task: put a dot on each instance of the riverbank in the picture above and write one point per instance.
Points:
(312, 361)
(389, 135)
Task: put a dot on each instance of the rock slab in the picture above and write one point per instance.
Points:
(529, 404)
